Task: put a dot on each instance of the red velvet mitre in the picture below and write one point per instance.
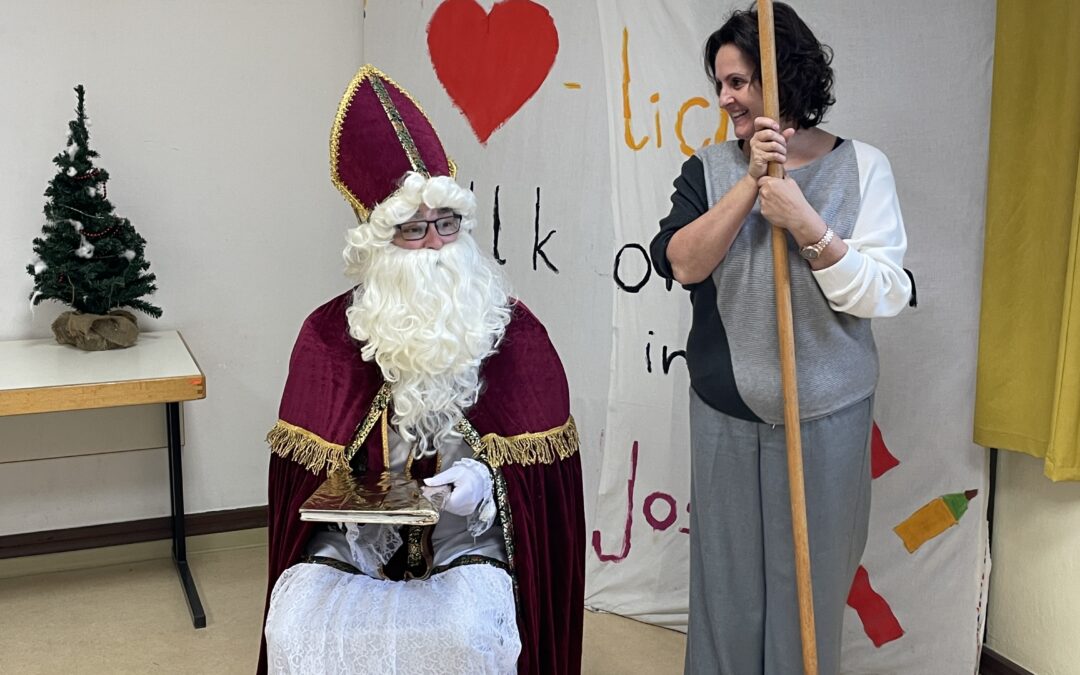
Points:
(379, 134)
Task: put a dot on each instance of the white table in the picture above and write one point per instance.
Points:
(39, 376)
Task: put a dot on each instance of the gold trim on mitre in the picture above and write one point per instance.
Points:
(542, 447)
(365, 72)
(311, 451)
(400, 130)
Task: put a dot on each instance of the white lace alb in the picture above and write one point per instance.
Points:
(323, 621)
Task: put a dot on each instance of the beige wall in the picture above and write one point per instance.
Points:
(213, 120)
(1034, 616)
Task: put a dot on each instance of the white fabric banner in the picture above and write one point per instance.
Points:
(659, 111)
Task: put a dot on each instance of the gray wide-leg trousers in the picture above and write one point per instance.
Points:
(744, 617)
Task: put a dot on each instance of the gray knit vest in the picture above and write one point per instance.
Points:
(836, 358)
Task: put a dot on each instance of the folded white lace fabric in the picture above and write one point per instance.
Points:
(371, 546)
(322, 620)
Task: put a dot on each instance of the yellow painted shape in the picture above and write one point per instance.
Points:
(627, 132)
(925, 524)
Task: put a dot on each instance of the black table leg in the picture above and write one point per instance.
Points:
(176, 492)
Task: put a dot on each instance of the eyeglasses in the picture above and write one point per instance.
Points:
(415, 230)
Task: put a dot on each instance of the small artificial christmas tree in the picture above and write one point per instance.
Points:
(87, 257)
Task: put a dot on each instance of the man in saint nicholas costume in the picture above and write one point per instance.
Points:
(430, 368)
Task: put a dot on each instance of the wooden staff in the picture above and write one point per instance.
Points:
(786, 333)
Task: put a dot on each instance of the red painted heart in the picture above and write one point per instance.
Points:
(491, 64)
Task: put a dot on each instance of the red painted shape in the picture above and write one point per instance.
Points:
(491, 64)
(629, 523)
(881, 460)
(667, 521)
(877, 617)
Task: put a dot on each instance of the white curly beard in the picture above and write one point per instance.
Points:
(429, 319)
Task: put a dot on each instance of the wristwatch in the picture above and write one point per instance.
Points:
(812, 251)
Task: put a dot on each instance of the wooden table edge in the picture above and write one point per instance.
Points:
(102, 394)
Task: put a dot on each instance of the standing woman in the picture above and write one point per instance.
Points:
(846, 243)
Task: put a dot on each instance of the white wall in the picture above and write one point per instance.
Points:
(213, 120)
(1035, 585)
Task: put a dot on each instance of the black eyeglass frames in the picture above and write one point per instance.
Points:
(415, 230)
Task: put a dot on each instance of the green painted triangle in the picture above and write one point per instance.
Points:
(957, 503)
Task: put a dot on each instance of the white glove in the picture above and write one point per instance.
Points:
(471, 481)
(471, 485)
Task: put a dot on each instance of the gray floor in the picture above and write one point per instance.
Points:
(130, 617)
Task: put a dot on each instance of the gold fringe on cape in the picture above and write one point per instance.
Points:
(316, 454)
(537, 448)
(303, 447)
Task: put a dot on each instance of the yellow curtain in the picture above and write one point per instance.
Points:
(1028, 390)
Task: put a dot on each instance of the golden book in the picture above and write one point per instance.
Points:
(389, 497)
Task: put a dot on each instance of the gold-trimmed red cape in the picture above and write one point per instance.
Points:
(523, 429)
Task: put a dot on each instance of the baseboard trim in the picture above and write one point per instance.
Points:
(130, 532)
(993, 663)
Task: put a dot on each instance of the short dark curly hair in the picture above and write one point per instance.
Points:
(803, 70)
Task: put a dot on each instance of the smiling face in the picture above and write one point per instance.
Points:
(738, 90)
